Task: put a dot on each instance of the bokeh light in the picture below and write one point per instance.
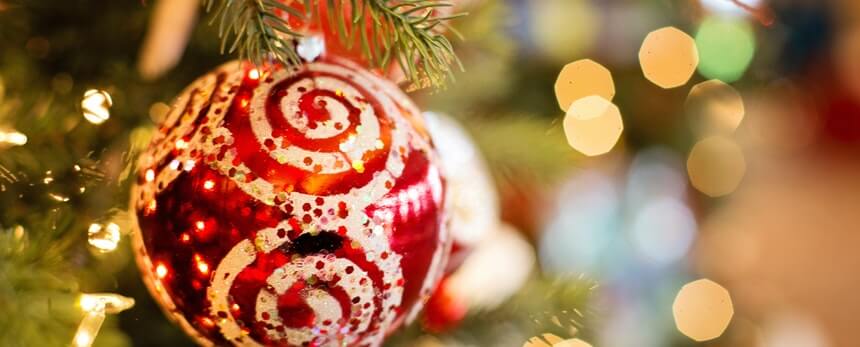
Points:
(726, 48)
(792, 330)
(96, 106)
(716, 166)
(583, 227)
(572, 343)
(668, 57)
(504, 256)
(544, 340)
(703, 310)
(580, 79)
(663, 231)
(655, 173)
(579, 19)
(593, 125)
(715, 107)
(728, 8)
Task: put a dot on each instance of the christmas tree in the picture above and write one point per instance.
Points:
(400, 172)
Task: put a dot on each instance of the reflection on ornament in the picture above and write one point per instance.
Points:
(103, 238)
(96, 306)
(593, 125)
(668, 57)
(580, 79)
(702, 310)
(96, 106)
(308, 207)
(310, 47)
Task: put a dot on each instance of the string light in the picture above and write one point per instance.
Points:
(104, 239)
(208, 184)
(149, 176)
(13, 138)
(95, 307)
(96, 106)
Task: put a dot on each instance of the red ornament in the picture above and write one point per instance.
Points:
(291, 206)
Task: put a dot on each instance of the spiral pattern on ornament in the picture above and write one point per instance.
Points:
(323, 127)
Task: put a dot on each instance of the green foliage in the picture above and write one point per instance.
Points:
(405, 31)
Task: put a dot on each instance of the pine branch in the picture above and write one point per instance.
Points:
(405, 31)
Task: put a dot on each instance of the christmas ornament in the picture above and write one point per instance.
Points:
(291, 206)
(471, 191)
(504, 258)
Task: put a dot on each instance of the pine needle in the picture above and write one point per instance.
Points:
(402, 31)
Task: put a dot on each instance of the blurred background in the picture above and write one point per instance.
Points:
(706, 196)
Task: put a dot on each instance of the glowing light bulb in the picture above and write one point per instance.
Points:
(181, 144)
(103, 239)
(96, 106)
(96, 307)
(200, 225)
(109, 302)
(149, 176)
(208, 184)
(13, 138)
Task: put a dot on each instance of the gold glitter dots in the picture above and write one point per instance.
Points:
(715, 107)
(702, 310)
(668, 57)
(593, 125)
(358, 166)
(716, 166)
(96, 106)
(580, 79)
